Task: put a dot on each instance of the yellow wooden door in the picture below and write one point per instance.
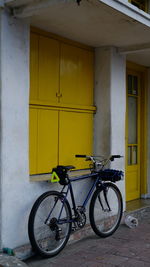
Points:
(33, 123)
(47, 146)
(133, 136)
(76, 75)
(61, 103)
(44, 70)
(75, 137)
(34, 66)
(43, 137)
(48, 70)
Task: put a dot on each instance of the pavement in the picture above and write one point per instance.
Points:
(10, 261)
(126, 247)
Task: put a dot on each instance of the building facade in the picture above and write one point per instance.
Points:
(75, 79)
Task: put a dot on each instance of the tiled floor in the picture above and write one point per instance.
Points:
(127, 247)
(137, 204)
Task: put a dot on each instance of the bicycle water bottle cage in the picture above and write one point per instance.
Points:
(61, 172)
(110, 175)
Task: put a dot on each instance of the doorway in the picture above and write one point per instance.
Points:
(135, 134)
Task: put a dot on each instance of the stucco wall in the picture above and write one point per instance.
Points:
(14, 129)
(17, 192)
(110, 99)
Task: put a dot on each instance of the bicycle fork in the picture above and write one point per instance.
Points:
(105, 191)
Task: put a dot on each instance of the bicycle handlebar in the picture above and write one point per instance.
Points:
(101, 162)
(111, 157)
(115, 157)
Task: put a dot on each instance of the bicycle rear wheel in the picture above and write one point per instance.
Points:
(106, 210)
(49, 238)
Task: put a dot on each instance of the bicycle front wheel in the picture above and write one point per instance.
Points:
(49, 224)
(106, 210)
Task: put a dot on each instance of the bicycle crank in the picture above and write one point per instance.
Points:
(81, 219)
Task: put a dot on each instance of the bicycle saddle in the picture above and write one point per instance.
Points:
(61, 172)
(69, 167)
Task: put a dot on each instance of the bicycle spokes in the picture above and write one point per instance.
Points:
(106, 210)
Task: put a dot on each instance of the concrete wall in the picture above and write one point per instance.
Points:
(110, 99)
(17, 192)
(14, 128)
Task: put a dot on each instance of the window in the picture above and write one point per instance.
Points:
(61, 103)
(142, 4)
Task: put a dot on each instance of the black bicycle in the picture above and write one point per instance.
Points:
(52, 220)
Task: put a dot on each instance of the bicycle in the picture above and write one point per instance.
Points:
(51, 218)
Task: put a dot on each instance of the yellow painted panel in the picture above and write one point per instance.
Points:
(132, 183)
(33, 113)
(133, 160)
(34, 67)
(76, 75)
(47, 140)
(76, 136)
(48, 69)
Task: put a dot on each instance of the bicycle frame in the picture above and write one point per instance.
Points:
(70, 189)
(55, 215)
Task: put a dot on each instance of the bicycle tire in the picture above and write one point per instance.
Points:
(43, 236)
(105, 221)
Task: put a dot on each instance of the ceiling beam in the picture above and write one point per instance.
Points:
(134, 49)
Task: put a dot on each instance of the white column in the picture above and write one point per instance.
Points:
(14, 58)
(118, 112)
(17, 193)
(110, 99)
(102, 125)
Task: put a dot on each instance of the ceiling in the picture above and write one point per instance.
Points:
(93, 23)
(142, 58)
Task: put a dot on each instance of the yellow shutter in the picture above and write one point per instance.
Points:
(61, 103)
(47, 155)
(76, 75)
(48, 69)
(34, 59)
(33, 123)
(75, 137)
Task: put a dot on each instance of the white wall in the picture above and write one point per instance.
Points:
(17, 192)
(14, 128)
(110, 99)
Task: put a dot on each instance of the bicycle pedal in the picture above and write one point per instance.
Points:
(73, 229)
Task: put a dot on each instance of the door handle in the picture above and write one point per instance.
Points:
(58, 94)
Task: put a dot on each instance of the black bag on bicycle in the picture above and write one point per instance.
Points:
(111, 175)
(61, 171)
